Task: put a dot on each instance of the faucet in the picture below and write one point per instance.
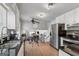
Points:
(2, 34)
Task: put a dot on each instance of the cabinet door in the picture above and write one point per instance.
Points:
(62, 53)
(69, 17)
(60, 19)
(67, 20)
(76, 17)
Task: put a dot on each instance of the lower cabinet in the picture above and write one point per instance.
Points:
(62, 53)
(21, 51)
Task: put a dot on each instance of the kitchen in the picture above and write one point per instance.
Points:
(60, 25)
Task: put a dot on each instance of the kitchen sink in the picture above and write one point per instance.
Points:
(9, 47)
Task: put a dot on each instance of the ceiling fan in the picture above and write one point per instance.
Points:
(34, 20)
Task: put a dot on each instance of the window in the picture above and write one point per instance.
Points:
(10, 20)
(2, 18)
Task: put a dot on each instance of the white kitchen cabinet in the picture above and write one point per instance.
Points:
(67, 18)
(70, 18)
(76, 17)
(62, 53)
(60, 19)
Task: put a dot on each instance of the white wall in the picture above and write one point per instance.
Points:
(43, 25)
(46, 32)
(27, 27)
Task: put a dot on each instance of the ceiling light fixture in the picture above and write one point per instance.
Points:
(49, 5)
(41, 15)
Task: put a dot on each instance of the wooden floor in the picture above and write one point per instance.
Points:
(44, 49)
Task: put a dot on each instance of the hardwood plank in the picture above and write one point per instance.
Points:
(44, 49)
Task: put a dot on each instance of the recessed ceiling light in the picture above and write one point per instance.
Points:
(41, 15)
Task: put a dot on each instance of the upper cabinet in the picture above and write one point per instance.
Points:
(76, 17)
(60, 19)
(69, 18)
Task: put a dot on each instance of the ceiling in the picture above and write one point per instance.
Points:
(28, 10)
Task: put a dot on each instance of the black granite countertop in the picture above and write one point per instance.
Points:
(12, 44)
